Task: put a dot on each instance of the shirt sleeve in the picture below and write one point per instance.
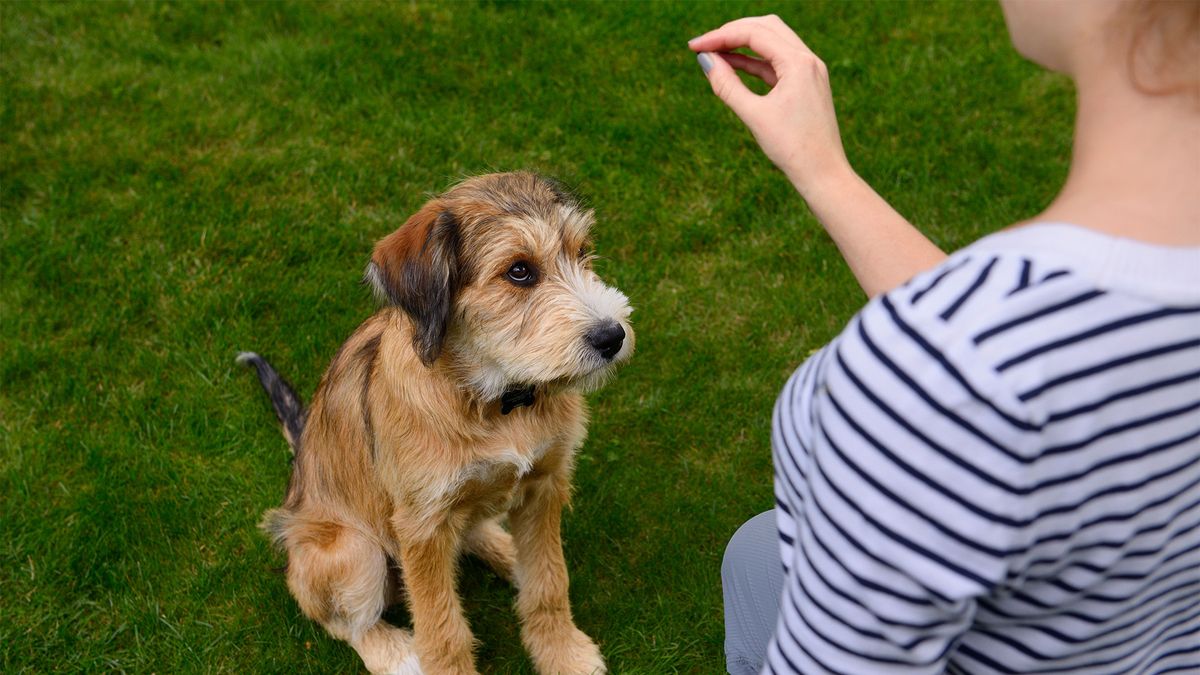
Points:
(898, 477)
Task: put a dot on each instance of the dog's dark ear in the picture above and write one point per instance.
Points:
(416, 267)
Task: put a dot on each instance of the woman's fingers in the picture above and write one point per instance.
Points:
(755, 33)
(756, 67)
(784, 31)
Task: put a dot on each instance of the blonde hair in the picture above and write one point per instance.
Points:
(1164, 45)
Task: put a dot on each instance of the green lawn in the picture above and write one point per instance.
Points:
(182, 181)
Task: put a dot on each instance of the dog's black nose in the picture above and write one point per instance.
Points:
(607, 339)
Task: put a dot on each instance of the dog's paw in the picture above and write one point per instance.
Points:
(406, 664)
(575, 654)
(387, 650)
(409, 665)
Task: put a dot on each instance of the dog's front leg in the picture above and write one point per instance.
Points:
(429, 559)
(547, 629)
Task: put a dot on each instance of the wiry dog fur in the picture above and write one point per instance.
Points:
(407, 454)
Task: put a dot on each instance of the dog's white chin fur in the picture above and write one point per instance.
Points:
(490, 381)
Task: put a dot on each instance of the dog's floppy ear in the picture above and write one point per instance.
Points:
(416, 268)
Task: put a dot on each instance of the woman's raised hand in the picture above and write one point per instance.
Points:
(794, 123)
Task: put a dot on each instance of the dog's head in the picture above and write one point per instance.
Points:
(496, 274)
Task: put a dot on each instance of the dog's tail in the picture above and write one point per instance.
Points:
(288, 407)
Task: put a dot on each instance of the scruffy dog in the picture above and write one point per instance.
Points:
(455, 406)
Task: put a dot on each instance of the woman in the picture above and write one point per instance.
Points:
(996, 466)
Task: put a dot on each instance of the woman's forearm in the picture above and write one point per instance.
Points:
(882, 249)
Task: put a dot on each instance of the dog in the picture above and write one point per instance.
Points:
(456, 407)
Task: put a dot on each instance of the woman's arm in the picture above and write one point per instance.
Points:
(882, 248)
(796, 126)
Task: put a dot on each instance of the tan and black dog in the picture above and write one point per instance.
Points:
(455, 407)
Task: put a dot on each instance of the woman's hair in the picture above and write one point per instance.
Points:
(1164, 45)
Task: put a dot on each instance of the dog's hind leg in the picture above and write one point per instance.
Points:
(491, 543)
(339, 576)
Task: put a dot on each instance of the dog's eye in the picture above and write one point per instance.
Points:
(520, 274)
(583, 252)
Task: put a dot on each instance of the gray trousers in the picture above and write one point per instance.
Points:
(752, 583)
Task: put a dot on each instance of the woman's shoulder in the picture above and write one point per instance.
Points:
(1168, 275)
(1045, 268)
(1016, 311)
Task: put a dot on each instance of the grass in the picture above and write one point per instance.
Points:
(182, 181)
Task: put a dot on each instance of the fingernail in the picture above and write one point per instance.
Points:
(706, 62)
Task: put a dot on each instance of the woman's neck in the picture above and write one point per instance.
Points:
(1135, 167)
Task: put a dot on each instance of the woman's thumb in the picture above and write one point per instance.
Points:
(724, 81)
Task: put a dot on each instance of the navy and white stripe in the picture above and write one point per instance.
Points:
(996, 468)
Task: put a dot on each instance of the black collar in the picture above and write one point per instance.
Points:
(515, 398)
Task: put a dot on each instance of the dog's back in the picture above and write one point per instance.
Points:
(332, 440)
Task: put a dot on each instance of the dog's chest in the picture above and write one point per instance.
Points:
(489, 482)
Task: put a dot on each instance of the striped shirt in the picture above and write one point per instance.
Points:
(996, 468)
